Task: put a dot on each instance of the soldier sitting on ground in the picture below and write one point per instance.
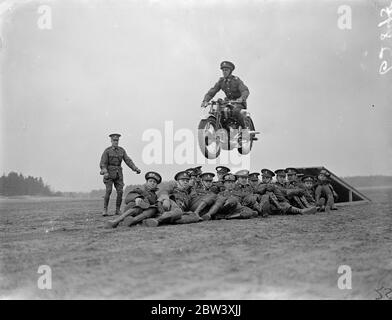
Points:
(176, 203)
(308, 182)
(324, 192)
(295, 190)
(250, 198)
(220, 171)
(141, 203)
(204, 200)
(232, 207)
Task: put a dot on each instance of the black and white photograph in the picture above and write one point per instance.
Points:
(215, 151)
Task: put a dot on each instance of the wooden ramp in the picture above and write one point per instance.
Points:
(348, 195)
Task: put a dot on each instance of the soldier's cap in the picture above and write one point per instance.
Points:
(229, 177)
(190, 171)
(153, 175)
(291, 171)
(181, 175)
(267, 173)
(197, 171)
(222, 169)
(227, 64)
(114, 135)
(254, 176)
(280, 172)
(324, 172)
(307, 177)
(242, 173)
(207, 176)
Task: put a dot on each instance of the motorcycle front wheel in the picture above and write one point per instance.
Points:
(209, 141)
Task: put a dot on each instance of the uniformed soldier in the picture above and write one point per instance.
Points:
(112, 171)
(175, 200)
(141, 202)
(324, 192)
(308, 182)
(295, 189)
(280, 178)
(253, 180)
(234, 89)
(250, 197)
(232, 199)
(203, 200)
(220, 171)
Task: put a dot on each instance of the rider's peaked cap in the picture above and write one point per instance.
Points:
(229, 177)
(181, 175)
(207, 176)
(153, 175)
(267, 173)
(227, 64)
(114, 135)
(242, 173)
(222, 169)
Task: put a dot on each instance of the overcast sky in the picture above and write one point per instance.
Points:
(127, 66)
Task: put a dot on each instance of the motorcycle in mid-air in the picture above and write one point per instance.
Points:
(219, 129)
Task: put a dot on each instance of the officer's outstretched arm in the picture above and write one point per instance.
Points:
(130, 163)
(213, 91)
(243, 89)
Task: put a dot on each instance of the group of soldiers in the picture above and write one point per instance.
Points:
(195, 196)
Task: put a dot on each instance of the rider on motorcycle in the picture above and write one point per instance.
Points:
(234, 89)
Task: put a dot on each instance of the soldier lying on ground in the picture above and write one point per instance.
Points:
(141, 203)
(176, 203)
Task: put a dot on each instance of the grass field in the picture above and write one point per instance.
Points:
(285, 257)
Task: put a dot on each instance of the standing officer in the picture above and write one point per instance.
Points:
(234, 89)
(112, 171)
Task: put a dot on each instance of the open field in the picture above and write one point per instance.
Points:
(281, 257)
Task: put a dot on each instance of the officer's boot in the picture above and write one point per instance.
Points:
(118, 203)
(105, 205)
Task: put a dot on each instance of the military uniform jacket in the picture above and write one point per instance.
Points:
(180, 196)
(219, 185)
(111, 161)
(263, 188)
(233, 87)
(202, 191)
(148, 195)
(238, 195)
(245, 189)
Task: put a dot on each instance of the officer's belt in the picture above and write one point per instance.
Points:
(114, 167)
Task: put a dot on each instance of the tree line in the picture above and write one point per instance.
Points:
(15, 184)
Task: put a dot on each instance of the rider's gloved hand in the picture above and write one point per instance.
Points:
(204, 104)
(239, 100)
